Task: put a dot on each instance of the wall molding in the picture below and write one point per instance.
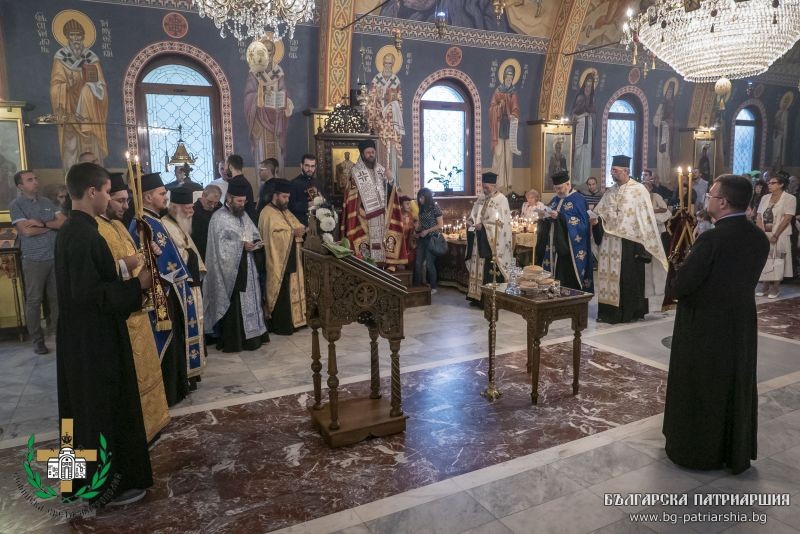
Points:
(161, 48)
(639, 94)
(439, 75)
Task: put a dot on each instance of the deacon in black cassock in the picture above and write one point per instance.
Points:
(628, 236)
(97, 384)
(710, 419)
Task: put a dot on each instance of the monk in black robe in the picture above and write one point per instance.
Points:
(710, 418)
(204, 208)
(97, 385)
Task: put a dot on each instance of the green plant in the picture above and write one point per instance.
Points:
(444, 175)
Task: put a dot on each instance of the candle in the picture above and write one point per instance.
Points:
(680, 188)
(689, 194)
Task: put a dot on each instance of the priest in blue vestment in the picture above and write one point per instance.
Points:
(181, 348)
(565, 237)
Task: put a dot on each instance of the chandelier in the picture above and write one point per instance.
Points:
(252, 19)
(704, 40)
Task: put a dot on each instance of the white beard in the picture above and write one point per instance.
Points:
(185, 223)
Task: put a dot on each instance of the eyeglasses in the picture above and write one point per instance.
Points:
(709, 195)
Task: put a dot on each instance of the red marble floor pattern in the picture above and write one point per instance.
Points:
(260, 466)
(780, 318)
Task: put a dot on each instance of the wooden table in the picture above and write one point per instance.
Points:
(539, 311)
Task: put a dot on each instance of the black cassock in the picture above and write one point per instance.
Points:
(200, 221)
(230, 328)
(565, 270)
(632, 303)
(96, 376)
(710, 418)
(281, 322)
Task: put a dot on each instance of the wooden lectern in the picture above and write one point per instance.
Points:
(340, 292)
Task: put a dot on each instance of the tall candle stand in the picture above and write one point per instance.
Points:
(491, 392)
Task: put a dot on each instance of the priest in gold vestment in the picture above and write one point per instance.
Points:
(629, 238)
(283, 233)
(145, 354)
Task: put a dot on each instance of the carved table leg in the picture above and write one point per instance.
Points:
(333, 380)
(374, 366)
(529, 343)
(394, 346)
(316, 367)
(535, 371)
(576, 360)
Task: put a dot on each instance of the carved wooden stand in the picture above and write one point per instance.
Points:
(539, 312)
(339, 292)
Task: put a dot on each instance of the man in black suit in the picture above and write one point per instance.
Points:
(304, 188)
(710, 418)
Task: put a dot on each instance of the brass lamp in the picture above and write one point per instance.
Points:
(181, 155)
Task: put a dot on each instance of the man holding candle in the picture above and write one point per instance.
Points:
(488, 238)
(565, 245)
(181, 348)
(145, 354)
(231, 290)
(626, 228)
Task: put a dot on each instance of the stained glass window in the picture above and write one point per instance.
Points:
(620, 133)
(445, 126)
(444, 147)
(442, 93)
(189, 107)
(193, 113)
(176, 75)
(744, 142)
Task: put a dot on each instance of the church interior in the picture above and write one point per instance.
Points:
(449, 396)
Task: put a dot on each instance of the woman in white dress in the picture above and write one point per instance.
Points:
(775, 213)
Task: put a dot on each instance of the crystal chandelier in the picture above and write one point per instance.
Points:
(704, 40)
(252, 19)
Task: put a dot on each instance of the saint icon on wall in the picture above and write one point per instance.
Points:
(583, 117)
(665, 122)
(504, 122)
(267, 106)
(78, 91)
(385, 108)
(780, 130)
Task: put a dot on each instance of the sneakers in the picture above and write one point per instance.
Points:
(128, 497)
(433, 291)
(760, 293)
(39, 347)
(774, 295)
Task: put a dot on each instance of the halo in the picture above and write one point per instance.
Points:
(87, 24)
(669, 82)
(279, 48)
(788, 96)
(517, 70)
(587, 72)
(388, 49)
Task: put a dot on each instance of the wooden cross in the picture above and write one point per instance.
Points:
(90, 455)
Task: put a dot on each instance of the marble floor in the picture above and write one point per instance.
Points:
(530, 489)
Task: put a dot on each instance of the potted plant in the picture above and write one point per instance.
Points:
(445, 176)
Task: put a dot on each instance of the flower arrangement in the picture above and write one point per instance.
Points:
(326, 216)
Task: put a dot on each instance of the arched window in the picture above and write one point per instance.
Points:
(622, 133)
(745, 130)
(176, 92)
(446, 127)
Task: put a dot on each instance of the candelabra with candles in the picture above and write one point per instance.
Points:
(156, 297)
(491, 392)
